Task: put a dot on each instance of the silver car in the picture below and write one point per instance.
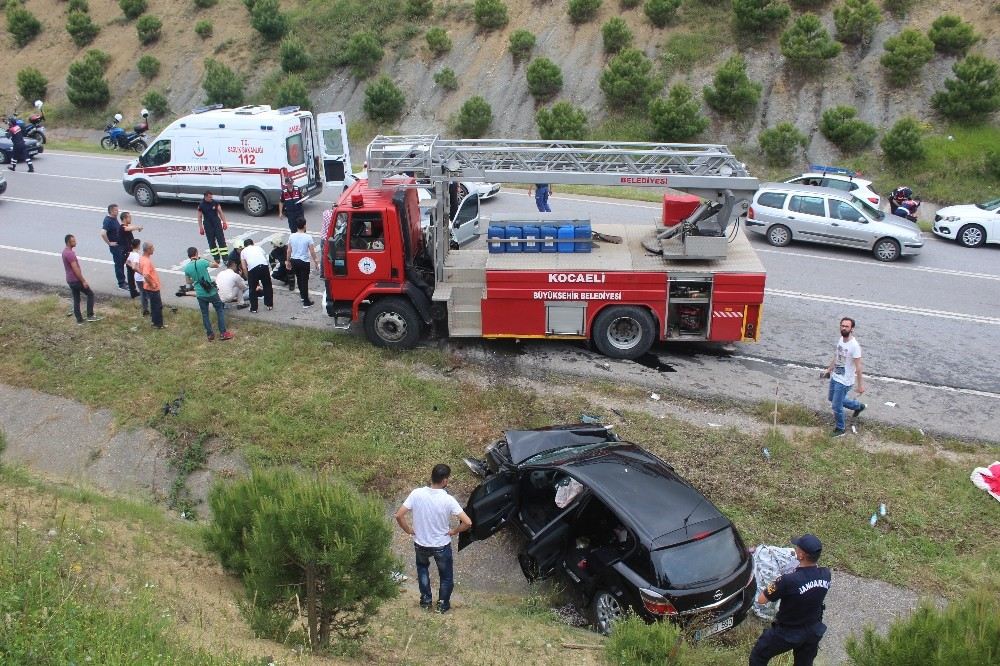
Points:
(784, 212)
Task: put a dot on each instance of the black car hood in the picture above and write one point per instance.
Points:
(524, 444)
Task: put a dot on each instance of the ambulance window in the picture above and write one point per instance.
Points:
(333, 143)
(158, 154)
(337, 246)
(367, 232)
(293, 146)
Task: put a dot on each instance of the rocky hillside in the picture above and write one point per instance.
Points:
(485, 67)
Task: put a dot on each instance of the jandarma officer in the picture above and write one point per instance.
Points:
(798, 625)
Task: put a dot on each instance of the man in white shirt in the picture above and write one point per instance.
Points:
(432, 508)
(844, 372)
(258, 271)
(232, 287)
(301, 253)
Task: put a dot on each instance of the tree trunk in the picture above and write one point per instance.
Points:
(312, 607)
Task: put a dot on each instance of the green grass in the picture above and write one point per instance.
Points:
(74, 145)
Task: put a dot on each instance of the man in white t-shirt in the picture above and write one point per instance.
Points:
(232, 287)
(257, 268)
(432, 508)
(844, 372)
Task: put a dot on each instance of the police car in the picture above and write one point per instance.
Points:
(7, 148)
(844, 180)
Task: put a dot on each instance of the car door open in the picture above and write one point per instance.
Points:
(465, 224)
(490, 506)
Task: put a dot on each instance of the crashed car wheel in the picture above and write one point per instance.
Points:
(606, 610)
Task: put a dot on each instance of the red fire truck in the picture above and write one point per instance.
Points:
(691, 275)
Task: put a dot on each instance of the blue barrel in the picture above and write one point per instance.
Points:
(565, 235)
(549, 233)
(514, 231)
(581, 232)
(531, 233)
(496, 235)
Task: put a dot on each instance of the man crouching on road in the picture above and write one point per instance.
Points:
(798, 626)
(432, 509)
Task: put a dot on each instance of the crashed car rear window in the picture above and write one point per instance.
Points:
(694, 562)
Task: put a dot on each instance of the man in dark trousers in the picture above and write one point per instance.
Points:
(290, 205)
(111, 233)
(798, 626)
(20, 150)
(77, 283)
(257, 269)
(211, 224)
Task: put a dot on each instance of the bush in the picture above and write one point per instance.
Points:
(77, 6)
(157, 104)
(22, 24)
(806, 44)
(562, 122)
(293, 55)
(32, 84)
(203, 28)
(967, 631)
(86, 86)
(581, 11)
(904, 142)
(661, 12)
(856, 21)
(677, 117)
(974, 92)
(898, 8)
(732, 93)
(102, 58)
(446, 79)
(544, 79)
(760, 16)
(628, 80)
(222, 85)
(292, 92)
(780, 143)
(490, 14)
(81, 28)
(905, 55)
(474, 118)
(636, 643)
(418, 9)
(629, 4)
(363, 53)
(438, 41)
(148, 66)
(808, 4)
(205, 4)
(951, 35)
(991, 163)
(314, 540)
(268, 19)
(249, 4)
(683, 50)
(842, 128)
(148, 28)
(132, 9)
(616, 35)
(521, 42)
(384, 101)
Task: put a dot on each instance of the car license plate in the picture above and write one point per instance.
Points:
(714, 629)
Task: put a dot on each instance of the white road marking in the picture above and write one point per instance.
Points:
(905, 309)
(880, 378)
(39, 174)
(882, 264)
(88, 156)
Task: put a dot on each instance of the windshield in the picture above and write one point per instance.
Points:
(989, 205)
(557, 454)
(869, 210)
(694, 563)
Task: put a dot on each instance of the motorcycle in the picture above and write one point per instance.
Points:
(34, 128)
(116, 138)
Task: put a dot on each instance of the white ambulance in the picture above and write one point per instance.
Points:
(242, 156)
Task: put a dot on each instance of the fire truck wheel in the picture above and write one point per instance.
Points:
(624, 331)
(392, 323)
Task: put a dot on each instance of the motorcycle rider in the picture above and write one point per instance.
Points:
(20, 150)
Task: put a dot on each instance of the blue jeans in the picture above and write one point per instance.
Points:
(542, 201)
(203, 303)
(118, 256)
(442, 557)
(838, 397)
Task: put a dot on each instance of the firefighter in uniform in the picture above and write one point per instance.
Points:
(19, 149)
(290, 205)
(798, 626)
(211, 224)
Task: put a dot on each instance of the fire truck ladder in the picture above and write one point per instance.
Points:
(709, 171)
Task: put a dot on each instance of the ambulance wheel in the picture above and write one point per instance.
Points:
(393, 323)
(624, 331)
(254, 203)
(144, 195)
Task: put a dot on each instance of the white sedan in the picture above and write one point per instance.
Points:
(972, 225)
(859, 187)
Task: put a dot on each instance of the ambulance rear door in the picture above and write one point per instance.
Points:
(335, 149)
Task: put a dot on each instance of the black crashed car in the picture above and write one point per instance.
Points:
(618, 523)
(7, 148)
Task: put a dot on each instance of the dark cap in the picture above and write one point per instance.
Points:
(810, 544)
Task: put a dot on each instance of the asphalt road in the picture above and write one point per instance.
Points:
(929, 325)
